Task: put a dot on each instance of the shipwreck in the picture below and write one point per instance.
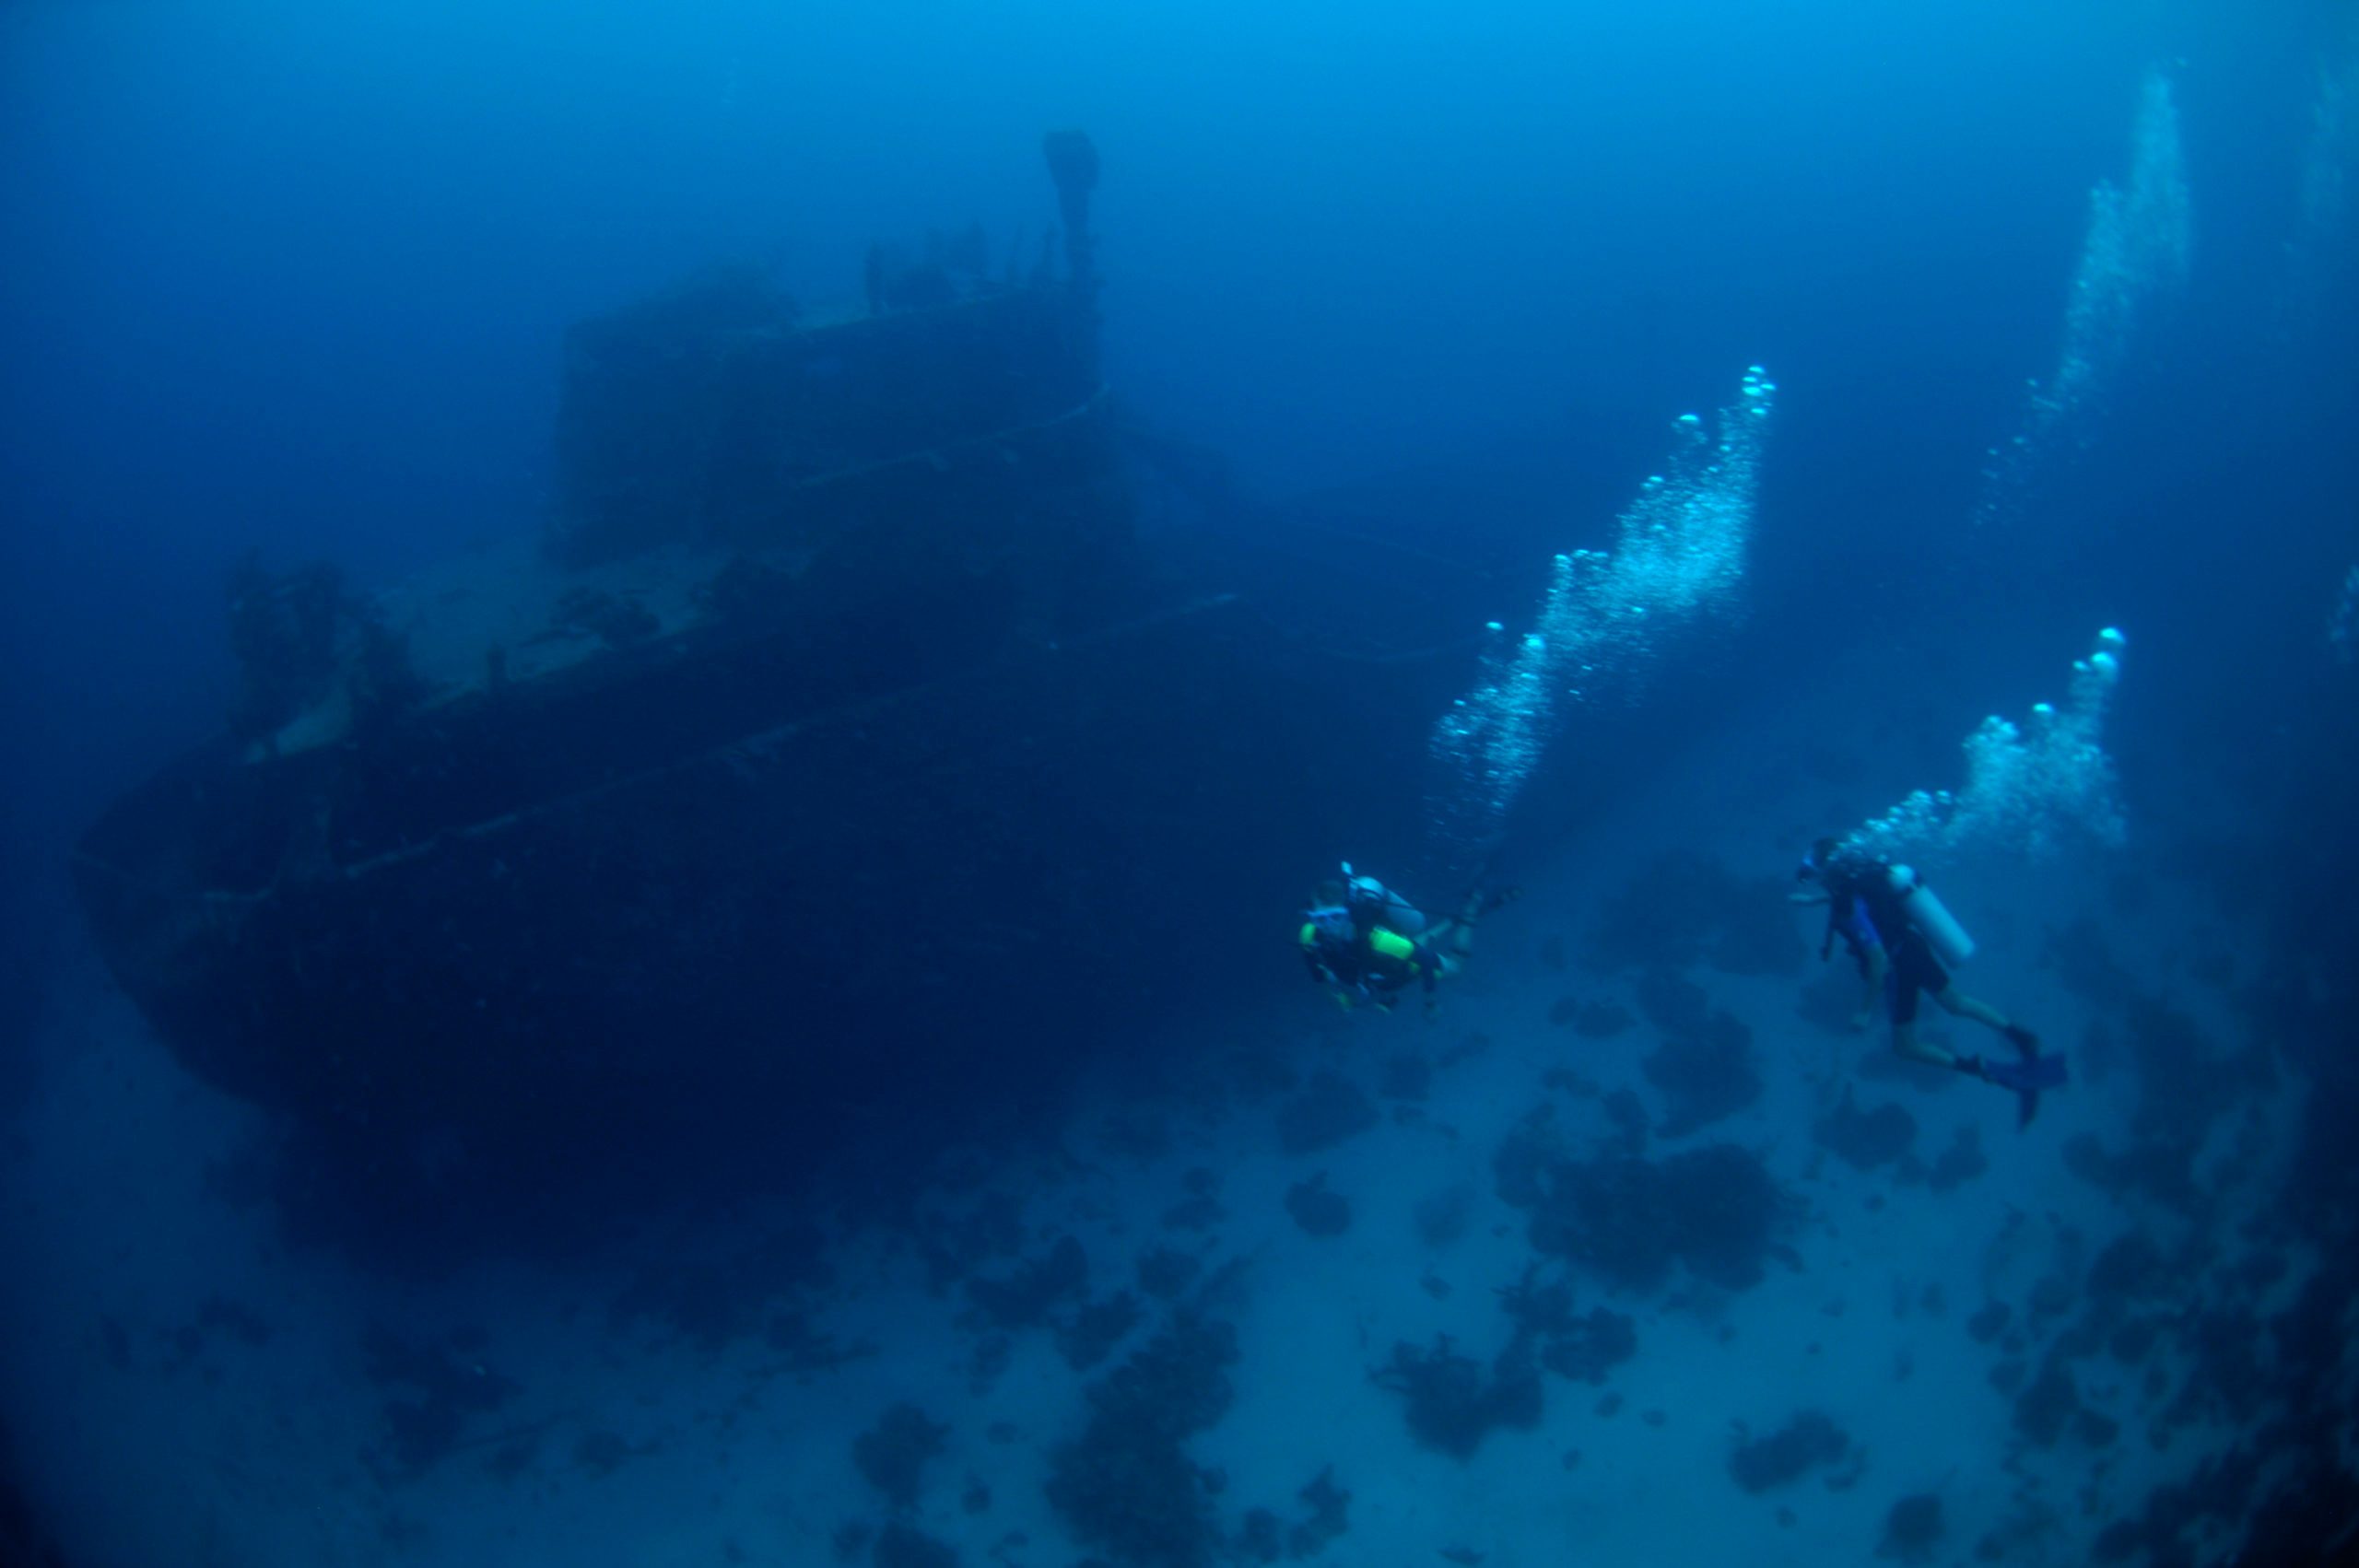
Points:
(842, 735)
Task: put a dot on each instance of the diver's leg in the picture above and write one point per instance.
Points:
(1904, 1041)
(1453, 938)
(1461, 925)
(1957, 1004)
(1907, 982)
(1871, 993)
(1460, 928)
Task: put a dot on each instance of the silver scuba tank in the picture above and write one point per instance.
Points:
(1932, 918)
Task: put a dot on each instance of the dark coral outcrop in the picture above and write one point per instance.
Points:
(1454, 1401)
(1126, 1487)
(892, 1455)
(1757, 1464)
(1715, 1210)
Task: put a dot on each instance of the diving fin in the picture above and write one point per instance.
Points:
(2028, 1077)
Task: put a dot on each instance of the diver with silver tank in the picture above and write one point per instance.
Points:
(1902, 936)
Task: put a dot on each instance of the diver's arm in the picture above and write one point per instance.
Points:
(1435, 966)
(1327, 979)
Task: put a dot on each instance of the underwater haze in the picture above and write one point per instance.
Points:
(1018, 783)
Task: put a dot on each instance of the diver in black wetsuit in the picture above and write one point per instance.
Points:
(1870, 913)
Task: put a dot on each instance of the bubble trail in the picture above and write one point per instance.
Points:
(2030, 789)
(1678, 552)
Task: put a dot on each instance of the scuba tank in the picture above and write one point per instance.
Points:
(1930, 917)
(1391, 910)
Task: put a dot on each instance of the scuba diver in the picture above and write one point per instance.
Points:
(1893, 925)
(1367, 943)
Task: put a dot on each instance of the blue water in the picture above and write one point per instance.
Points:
(295, 278)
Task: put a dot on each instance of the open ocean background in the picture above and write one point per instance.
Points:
(294, 277)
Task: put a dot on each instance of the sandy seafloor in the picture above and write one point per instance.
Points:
(164, 1434)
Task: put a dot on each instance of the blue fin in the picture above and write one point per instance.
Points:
(2027, 1079)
